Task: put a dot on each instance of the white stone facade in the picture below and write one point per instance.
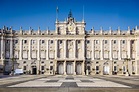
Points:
(70, 49)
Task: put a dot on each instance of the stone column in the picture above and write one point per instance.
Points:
(101, 47)
(65, 68)
(65, 49)
(29, 50)
(74, 67)
(92, 50)
(11, 48)
(56, 49)
(74, 49)
(110, 48)
(119, 47)
(20, 54)
(83, 49)
(55, 70)
(47, 54)
(129, 48)
(83, 73)
(38, 53)
(2, 43)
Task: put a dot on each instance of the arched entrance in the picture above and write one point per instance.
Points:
(60, 68)
(106, 68)
(79, 68)
(69, 68)
(34, 70)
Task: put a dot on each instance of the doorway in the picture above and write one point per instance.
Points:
(69, 68)
(79, 68)
(60, 68)
(34, 70)
(106, 69)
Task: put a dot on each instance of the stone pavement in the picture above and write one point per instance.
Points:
(69, 81)
(61, 83)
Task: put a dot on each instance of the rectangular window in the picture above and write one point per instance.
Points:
(25, 41)
(7, 41)
(79, 41)
(42, 67)
(123, 41)
(114, 41)
(96, 41)
(88, 67)
(97, 68)
(87, 41)
(60, 41)
(51, 67)
(16, 41)
(115, 68)
(24, 68)
(124, 69)
(42, 41)
(51, 41)
(33, 41)
(106, 41)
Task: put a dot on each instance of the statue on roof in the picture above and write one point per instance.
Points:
(70, 14)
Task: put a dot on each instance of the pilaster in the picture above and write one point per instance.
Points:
(20, 47)
(47, 54)
(92, 50)
(38, 52)
(110, 48)
(56, 49)
(119, 49)
(101, 47)
(65, 49)
(29, 49)
(11, 48)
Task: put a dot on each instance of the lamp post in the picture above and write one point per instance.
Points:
(126, 60)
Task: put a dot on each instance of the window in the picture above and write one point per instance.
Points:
(42, 41)
(115, 62)
(123, 41)
(97, 68)
(106, 41)
(115, 68)
(51, 67)
(97, 62)
(124, 69)
(24, 68)
(87, 41)
(132, 42)
(51, 62)
(88, 67)
(51, 41)
(42, 67)
(60, 41)
(7, 41)
(114, 41)
(79, 41)
(42, 62)
(16, 41)
(33, 41)
(24, 62)
(25, 41)
(96, 41)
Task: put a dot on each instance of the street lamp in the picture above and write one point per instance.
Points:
(126, 60)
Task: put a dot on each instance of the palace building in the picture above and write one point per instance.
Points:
(70, 50)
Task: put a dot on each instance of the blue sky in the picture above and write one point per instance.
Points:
(42, 13)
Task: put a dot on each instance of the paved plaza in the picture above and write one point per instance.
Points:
(69, 83)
